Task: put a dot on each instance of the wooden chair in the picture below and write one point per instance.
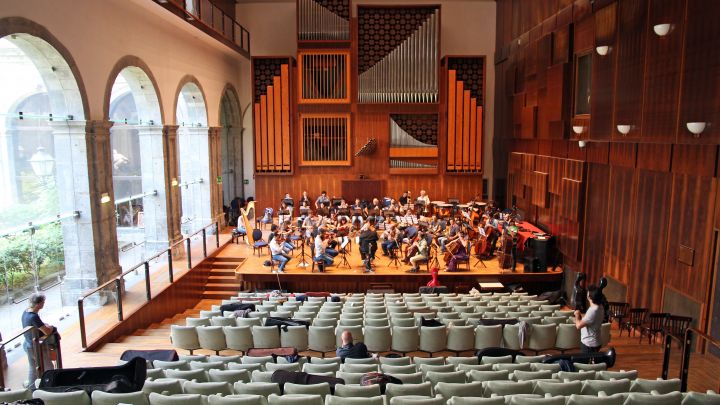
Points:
(618, 311)
(257, 241)
(637, 318)
(676, 326)
(655, 326)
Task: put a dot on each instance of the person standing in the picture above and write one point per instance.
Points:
(31, 317)
(591, 324)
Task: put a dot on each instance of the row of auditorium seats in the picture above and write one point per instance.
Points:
(175, 392)
(402, 339)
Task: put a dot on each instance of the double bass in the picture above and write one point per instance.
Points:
(451, 248)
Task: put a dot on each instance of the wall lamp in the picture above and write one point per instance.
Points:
(662, 29)
(624, 129)
(578, 129)
(603, 50)
(696, 128)
(104, 198)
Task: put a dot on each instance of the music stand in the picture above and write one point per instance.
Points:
(302, 255)
(288, 201)
(480, 261)
(304, 211)
(336, 201)
(343, 259)
(395, 258)
(388, 213)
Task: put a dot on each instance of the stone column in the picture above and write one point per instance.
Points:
(152, 163)
(83, 174)
(194, 165)
(172, 193)
(215, 159)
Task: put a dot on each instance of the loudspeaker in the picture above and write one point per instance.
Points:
(532, 265)
(542, 249)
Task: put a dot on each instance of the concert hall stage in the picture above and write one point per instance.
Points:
(253, 275)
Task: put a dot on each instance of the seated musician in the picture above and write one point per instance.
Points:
(278, 253)
(389, 238)
(343, 231)
(343, 210)
(285, 211)
(394, 206)
(322, 201)
(453, 230)
(422, 250)
(277, 232)
(357, 217)
(406, 217)
(304, 211)
(322, 252)
(404, 198)
(368, 244)
(461, 253)
(305, 199)
(375, 210)
(423, 198)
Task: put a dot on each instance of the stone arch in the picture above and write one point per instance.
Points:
(190, 89)
(53, 61)
(143, 87)
(230, 107)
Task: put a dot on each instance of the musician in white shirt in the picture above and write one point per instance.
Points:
(423, 198)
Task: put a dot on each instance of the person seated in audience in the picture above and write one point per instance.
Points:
(350, 350)
(422, 250)
(591, 323)
(278, 253)
(462, 252)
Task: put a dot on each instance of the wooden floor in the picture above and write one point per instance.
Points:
(644, 357)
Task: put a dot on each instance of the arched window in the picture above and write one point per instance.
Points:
(137, 166)
(40, 108)
(193, 158)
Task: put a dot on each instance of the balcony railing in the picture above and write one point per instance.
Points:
(212, 20)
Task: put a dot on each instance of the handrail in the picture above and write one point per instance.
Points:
(37, 342)
(117, 280)
(686, 351)
(233, 33)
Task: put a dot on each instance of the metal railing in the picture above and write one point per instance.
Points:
(38, 351)
(211, 17)
(686, 345)
(117, 282)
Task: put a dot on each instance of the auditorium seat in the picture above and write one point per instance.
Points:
(542, 337)
(344, 390)
(442, 368)
(257, 388)
(416, 400)
(670, 398)
(488, 336)
(433, 339)
(558, 387)
(295, 399)
(405, 339)
(257, 359)
(207, 388)
(593, 400)
(247, 367)
(105, 398)
(229, 376)
(211, 338)
(396, 390)
(413, 378)
(349, 378)
(321, 389)
(261, 376)
(321, 339)
(207, 365)
(448, 377)
(15, 395)
(568, 337)
(197, 375)
(507, 387)
(295, 367)
(575, 375)
(175, 365)
(265, 336)
(396, 361)
(436, 361)
(661, 386)
(236, 399)
(176, 399)
(590, 367)
(397, 369)
(525, 375)
(170, 386)
(476, 401)
(377, 338)
(337, 400)
(617, 375)
(184, 337)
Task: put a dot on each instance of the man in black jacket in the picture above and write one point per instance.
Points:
(368, 243)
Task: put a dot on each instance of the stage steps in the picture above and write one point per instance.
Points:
(222, 282)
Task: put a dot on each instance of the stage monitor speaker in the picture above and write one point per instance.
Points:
(533, 265)
(542, 249)
(441, 289)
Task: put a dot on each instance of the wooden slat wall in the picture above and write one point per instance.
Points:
(645, 196)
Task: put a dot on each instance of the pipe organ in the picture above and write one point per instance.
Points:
(369, 97)
(323, 20)
(464, 113)
(272, 114)
(398, 54)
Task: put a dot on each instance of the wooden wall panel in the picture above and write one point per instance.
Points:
(596, 221)
(653, 156)
(662, 71)
(694, 160)
(693, 205)
(618, 242)
(603, 75)
(650, 232)
(701, 72)
(630, 65)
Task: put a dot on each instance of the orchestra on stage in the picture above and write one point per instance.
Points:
(417, 231)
